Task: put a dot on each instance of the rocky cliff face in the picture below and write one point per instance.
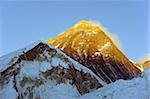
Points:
(42, 67)
(88, 44)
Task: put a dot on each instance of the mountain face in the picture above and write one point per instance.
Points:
(33, 72)
(88, 44)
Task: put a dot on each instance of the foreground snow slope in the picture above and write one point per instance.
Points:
(137, 88)
(88, 44)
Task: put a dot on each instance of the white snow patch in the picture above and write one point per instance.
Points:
(45, 66)
(57, 61)
(60, 91)
(31, 69)
(8, 92)
(34, 68)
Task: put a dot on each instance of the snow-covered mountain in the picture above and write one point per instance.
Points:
(88, 44)
(32, 73)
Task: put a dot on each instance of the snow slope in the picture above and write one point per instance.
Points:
(137, 88)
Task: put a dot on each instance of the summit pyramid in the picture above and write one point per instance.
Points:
(88, 44)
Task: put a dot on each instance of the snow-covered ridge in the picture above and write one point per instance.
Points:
(11, 58)
(41, 64)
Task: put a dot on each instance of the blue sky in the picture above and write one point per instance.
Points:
(22, 23)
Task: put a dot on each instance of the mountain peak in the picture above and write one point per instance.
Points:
(88, 44)
(84, 37)
(85, 23)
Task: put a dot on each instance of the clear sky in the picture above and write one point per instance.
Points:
(22, 23)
